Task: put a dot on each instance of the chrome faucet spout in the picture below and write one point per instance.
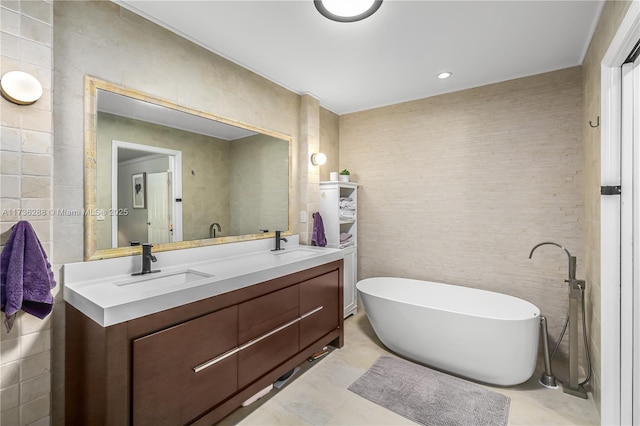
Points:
(572, 259)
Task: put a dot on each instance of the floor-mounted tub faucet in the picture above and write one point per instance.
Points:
(572, 259)
(576, 298)
(147, 258)
(278, 239)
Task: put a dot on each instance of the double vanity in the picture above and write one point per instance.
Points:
(191, 343)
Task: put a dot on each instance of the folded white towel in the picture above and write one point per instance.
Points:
(349, 205)
(344, 236)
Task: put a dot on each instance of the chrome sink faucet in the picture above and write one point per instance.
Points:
(278, 239)
(147, 258)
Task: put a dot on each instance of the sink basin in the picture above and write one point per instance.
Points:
(294, 254)
(163, 280)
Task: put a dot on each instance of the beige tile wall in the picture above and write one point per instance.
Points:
(610, 18)
(458, 188)
(105, 41)
(26, 164)
(309, 174)
(329, 142)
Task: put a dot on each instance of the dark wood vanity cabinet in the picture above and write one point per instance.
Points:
(317, 307)
(168, 388)
(194, 364)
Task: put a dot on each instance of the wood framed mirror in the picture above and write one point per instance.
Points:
(177, 177)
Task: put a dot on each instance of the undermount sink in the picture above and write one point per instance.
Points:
(294, 254)
(163, 280)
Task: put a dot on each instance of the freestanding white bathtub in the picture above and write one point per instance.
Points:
(478, 334)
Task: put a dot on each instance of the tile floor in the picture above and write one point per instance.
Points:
(319, 395)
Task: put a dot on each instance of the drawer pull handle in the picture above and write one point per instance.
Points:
(271, 333)
(215, 360)
(254, 341)
(311, 312)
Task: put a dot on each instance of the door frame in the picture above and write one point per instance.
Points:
(614, 262)
(175, 166)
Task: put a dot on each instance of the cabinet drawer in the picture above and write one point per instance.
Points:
(261, 315)
(166, 389)
(258, 358)
(322, 291)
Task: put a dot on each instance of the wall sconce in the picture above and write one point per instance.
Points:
(318, 159)
(20, 88)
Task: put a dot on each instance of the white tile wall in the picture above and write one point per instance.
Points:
(26, 167)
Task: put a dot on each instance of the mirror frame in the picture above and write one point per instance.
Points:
(91, 252)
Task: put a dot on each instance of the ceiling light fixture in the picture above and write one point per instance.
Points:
(347, 10)
(318, 159)
(444, 75)
(20, 87)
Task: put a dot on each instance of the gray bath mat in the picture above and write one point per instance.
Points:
(429, 397)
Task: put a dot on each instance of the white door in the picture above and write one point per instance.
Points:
(349, 281)
(158, 207)
(630, 244)
(635, 116)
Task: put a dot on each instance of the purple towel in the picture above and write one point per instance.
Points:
(26, 278)
(317, 237)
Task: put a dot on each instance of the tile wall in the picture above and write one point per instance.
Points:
(458, 188)
(26, 166)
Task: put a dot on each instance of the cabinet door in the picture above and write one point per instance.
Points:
(350, 280)
(166, 389)
(319, 307)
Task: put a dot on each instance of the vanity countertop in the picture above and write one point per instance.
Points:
(107, 296)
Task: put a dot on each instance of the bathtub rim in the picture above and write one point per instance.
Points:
(537, 313)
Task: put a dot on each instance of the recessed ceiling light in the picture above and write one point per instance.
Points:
(444, 75)
(347, 10)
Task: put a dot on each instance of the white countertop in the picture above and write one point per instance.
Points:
(106, 292)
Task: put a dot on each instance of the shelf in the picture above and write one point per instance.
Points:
(334, 225)
(339, 182)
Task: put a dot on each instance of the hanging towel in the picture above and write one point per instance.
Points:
(317, 237)
(26, 278)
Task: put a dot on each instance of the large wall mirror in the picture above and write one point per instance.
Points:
(175, 177)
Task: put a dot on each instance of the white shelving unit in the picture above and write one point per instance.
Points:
(339, 211)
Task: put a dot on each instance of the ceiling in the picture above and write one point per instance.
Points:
(391, 57)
